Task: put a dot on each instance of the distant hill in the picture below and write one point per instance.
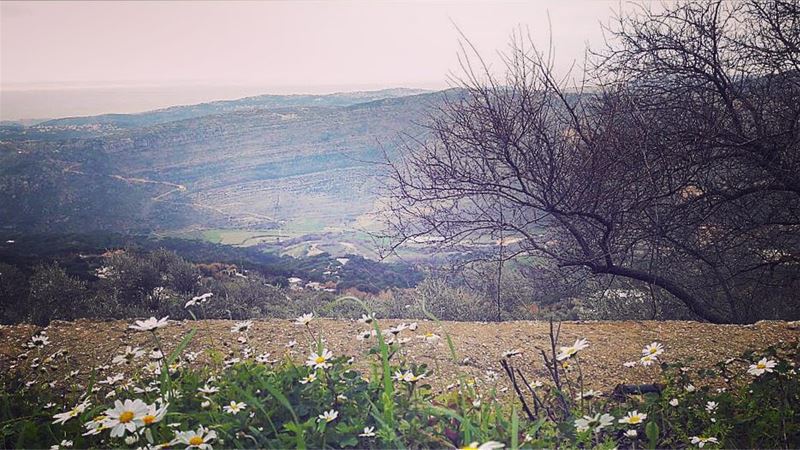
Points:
(248, 163)
(175, 113)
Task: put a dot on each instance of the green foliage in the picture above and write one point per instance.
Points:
(54, 295)
(285, 406)
(145, 277)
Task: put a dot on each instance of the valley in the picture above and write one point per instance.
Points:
(262, 171)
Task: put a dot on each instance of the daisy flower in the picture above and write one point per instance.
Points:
(633, 418)
(112, 379)
(38, 340)
(234, 408)
(411, 378)
(231, 362)
(149, 324)
(96, 425)
(430, 338)
(64, 444)
(240, 327)
(368, 432)
(308, 379)
(673, 402)
(126, 416)
(653, 349)
(130, 354)
(711, 407)
(328, 416)
(591, 393)
(367, 318)
(200, 299)
(569, 352)
(196, 439)
(318, 361)
(700, 441)
(154, 413)
(208, 390)
(490, 445)
(305, 319)
(648, 360)
(407, 376)
(631, 434)
(596, 422)
(396, 330)
(74, 412)
(764, 365)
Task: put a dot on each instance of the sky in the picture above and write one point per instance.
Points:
(77, 58)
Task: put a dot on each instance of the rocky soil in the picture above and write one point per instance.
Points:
(480, 346)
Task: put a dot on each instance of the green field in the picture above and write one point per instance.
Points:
(248, 238)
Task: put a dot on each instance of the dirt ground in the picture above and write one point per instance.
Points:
(94, 344)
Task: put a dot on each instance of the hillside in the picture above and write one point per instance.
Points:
(253, 163)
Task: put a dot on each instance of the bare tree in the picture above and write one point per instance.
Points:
(679, 168)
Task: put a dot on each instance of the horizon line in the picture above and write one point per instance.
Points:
(332, 89)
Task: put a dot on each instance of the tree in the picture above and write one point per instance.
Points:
(679, 168)
(55, 295)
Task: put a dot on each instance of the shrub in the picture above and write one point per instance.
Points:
(55, 295)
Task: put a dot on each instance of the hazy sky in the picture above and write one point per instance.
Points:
(242, 48)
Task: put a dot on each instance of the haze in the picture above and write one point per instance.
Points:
(82, 58)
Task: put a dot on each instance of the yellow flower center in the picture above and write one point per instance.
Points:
(636, 419)
(126, 417)
(148, 419)
(761, 365)
(319, 360)
(195, 440)
(653, 350)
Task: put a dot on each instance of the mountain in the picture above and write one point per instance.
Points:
(106, 123)
(253, 163)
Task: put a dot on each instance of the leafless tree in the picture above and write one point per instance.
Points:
(679, 167)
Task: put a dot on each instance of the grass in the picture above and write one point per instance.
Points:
(246, 401)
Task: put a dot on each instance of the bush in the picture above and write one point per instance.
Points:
(55, 295)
